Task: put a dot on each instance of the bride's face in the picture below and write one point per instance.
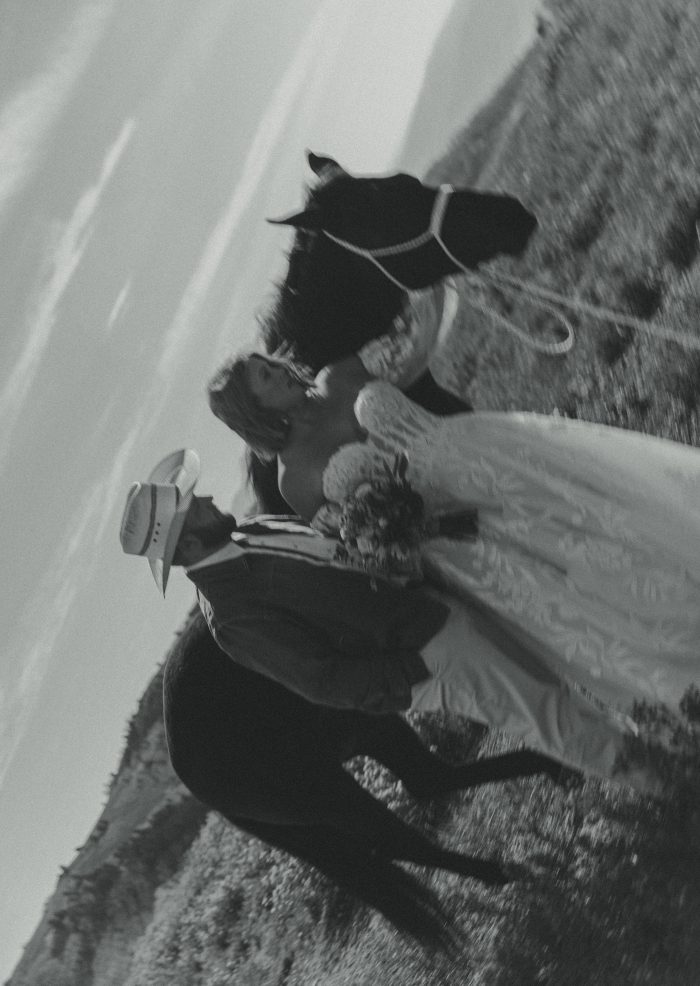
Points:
(273, 385)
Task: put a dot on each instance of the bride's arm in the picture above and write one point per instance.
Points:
(403, 354)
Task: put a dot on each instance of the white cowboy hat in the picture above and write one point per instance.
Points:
(155, 512)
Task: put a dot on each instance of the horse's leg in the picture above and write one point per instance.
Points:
(392, 742)
(521, 763)
(349, 808)
(378, 881)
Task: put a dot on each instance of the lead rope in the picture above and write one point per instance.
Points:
(541, 297)
(619, 319)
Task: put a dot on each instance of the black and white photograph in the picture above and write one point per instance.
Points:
(350, 466)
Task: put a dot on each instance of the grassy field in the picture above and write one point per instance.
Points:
(605, 151)
(599, 132)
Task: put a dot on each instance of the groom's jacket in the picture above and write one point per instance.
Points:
(277, 602)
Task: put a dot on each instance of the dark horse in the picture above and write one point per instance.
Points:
(333, 300)
(272, 764)
(267, 760)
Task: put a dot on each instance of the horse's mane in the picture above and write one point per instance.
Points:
(330, 301)
(277, 325)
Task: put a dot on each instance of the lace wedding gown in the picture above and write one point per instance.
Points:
(589, 536)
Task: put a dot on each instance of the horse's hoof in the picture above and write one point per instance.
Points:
(494, 874)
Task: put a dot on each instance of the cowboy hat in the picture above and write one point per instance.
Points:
(155, 512)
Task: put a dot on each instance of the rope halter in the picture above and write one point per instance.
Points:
(434, 232)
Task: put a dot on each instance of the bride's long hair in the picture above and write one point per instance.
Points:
(264, 430)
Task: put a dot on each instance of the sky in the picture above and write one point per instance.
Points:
(141, 147)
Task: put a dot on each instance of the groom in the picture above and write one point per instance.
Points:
(278, 602)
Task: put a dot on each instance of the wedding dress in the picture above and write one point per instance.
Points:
(589, 536)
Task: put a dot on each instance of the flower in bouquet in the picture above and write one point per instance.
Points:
(382, 524)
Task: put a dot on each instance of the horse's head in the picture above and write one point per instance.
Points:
(331, 301)
(381, 213)
(369, 212)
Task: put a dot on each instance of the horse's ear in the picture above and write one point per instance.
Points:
(323, 166)
(306, 219)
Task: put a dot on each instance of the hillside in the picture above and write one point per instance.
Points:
(454, 86)
(598, 133)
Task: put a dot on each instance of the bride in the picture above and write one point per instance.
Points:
(588, 546)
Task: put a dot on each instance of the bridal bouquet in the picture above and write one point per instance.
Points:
(382, 524)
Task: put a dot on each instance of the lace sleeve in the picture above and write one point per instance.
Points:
(403, 354)
(385, 357)
(327, 519)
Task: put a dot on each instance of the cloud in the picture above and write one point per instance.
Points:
(71, 568)
(20, 696)
(67, 256)
(114, 485)
(262, 150)
(118, 305)
(29, 115)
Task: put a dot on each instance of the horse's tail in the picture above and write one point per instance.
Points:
(404, 901)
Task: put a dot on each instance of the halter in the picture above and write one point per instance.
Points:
(547, 300)
(434, 232)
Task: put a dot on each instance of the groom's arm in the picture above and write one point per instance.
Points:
(308, 661)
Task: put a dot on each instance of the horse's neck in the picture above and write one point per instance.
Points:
(331, 303)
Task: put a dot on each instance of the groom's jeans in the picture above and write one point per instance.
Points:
(480, 671)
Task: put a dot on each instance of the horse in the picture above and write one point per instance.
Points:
(360, 244)
(271, 763)
(264, 758)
